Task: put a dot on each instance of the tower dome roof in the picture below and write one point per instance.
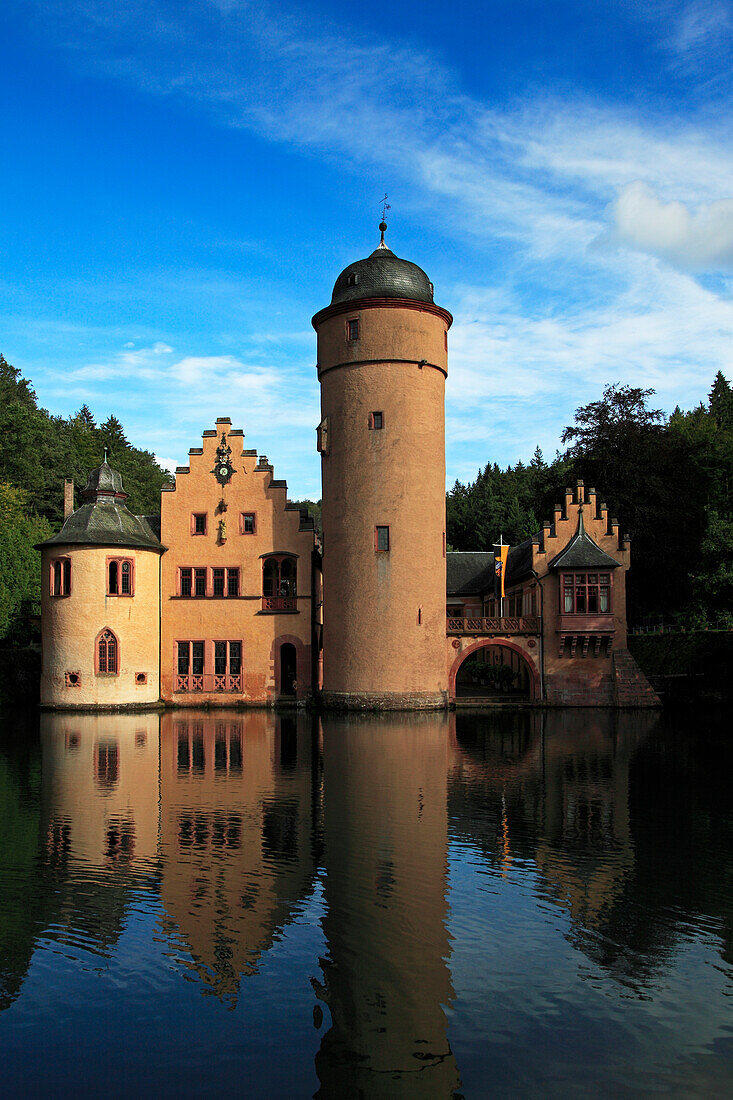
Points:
(382, 275)
(103, 519)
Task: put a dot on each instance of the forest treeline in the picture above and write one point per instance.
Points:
(669, 480)
(37, 451)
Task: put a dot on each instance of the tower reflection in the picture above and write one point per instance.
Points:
(386, 980)
(100, 790)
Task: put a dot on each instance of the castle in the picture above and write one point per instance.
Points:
(227, 597)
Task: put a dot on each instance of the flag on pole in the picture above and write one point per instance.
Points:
(501, 549)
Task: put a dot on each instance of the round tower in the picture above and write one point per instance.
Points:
(100, 603)
(382, 365)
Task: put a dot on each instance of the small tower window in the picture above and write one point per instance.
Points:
(198, 523)
(352, 330)
(381, 539)
(352, 279)
(247, 523)
(376, 420)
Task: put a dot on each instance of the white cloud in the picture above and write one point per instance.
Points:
(702, 240)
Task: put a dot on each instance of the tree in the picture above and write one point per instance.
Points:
(20, 577)
(721, 402)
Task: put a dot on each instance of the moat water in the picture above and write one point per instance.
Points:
(412, 906)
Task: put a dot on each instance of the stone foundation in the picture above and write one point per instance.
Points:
(631, 687)
(389, 700)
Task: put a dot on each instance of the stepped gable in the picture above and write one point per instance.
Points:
(582, 552)
(104, 519)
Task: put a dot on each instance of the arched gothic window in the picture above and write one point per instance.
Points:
(108, 653)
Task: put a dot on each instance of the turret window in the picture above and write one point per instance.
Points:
(198, 523)
(376, 421)
(107, 653)
(61, 577)
(352, 330)
(352, 279)
(120, 575)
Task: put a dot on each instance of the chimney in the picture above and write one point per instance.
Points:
(68, 497)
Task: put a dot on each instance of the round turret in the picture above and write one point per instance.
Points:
(100, 602)
(382, 365)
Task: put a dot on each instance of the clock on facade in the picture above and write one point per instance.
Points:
(223, 468)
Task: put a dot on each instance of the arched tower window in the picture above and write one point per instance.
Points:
(107, 655)
(120, 575)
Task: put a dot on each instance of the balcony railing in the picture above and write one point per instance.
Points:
(279, 603)
(208, 682)
(525, 624)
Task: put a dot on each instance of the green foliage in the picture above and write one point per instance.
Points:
(20, 575)
(37, 451)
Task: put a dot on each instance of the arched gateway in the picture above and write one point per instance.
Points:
(494, 668)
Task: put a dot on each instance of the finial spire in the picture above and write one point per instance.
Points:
(383, 224)
(105, 454)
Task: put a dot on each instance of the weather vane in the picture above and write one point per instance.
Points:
(383, 224)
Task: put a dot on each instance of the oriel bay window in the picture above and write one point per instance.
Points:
(585, 593)
(279, 583)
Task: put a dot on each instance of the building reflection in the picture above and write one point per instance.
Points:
(386, 979)
(100, 790)
(554, 790)
(239, 842)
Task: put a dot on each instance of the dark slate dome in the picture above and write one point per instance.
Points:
(382, 275)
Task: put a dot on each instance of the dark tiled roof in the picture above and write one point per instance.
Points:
(103, 480)
(519, 563)
(382, 275)
(582, 553)
(106, 522)
(469, 574)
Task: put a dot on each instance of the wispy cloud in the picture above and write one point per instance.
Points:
(592, 207)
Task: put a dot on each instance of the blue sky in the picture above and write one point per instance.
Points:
(182, 182)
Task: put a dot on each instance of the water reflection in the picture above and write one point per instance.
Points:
(238, 835)
(386, 978)
(100, 791)
(444, 897)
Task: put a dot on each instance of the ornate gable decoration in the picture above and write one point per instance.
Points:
(223, 468)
